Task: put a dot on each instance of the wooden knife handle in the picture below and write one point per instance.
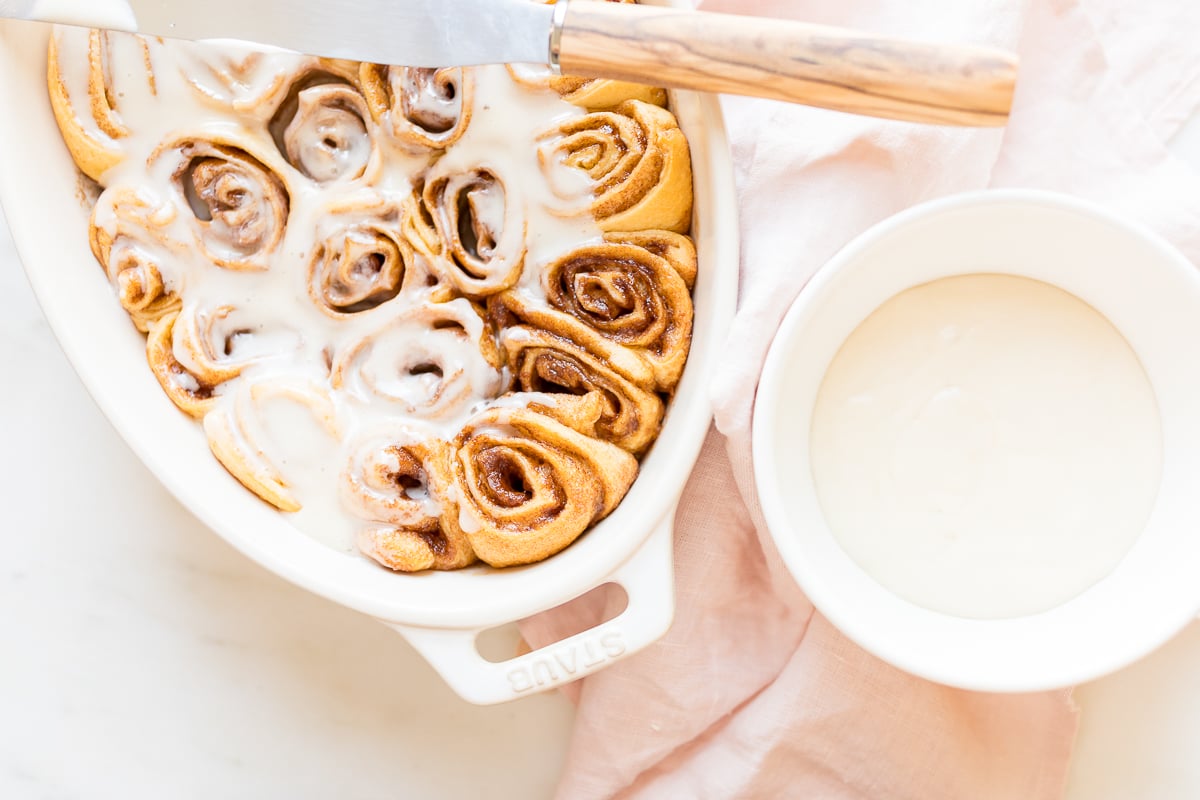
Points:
(792, 61)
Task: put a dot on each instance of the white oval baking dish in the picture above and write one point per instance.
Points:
(440, 614)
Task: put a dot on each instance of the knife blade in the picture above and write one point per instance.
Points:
(796, 62)
(419, 33)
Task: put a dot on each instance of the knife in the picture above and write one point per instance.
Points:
(797, 62)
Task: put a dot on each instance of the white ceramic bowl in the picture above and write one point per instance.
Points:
(1146, 288)
(441, 614)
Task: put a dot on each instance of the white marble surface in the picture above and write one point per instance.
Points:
(140, 656)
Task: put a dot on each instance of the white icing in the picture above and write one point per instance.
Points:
(468, 520)
(244, 76)
(986, 446)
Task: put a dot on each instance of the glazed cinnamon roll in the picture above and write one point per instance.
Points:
(627, 299)
(528, 485)
(130, 236)
(361, 260)
(239, 204)
(325, 130)
(195, 351)
(236, 78)
(636, 161)
(431, 362)
(425, 108)
(87, 102)
(540, 361)
(471, 227)
(403, 484)
(237, 439)
(137, 274)
(194, 395)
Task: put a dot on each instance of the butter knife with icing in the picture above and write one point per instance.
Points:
(796, 62)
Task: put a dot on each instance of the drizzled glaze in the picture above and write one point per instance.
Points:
(283, 265)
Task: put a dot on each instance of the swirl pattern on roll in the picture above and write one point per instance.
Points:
(237, 438)
(239, 204)
(470, 225)
(129, 235)
(237, 79)
(403, 484)
(529, 485)
(637, 161)
(425, 108)
(193, 394)
(543, 362)
(361, 260)
(429, 362)
(140, 286)
(325, 130)
(627, 299)
(195, 351)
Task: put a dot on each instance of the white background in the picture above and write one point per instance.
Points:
(140, 656)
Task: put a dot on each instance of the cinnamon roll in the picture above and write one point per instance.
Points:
(194, 395)
(471, 227)
(239, 204)
(237, 78)
(543, 362)
(87, 103)
(636, 161)
(325, 130)
(195, 351)
(235, 432)
(403, 484)
(431, 362)
(234, 77)
(628, 300)
(138, 276)
(130, 237)
(417, 225)
(361, 260)
(528, 485)
(425, 108)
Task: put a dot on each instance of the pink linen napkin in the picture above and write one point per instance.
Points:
(752, 694)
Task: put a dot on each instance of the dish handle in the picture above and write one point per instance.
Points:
(648, 580)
